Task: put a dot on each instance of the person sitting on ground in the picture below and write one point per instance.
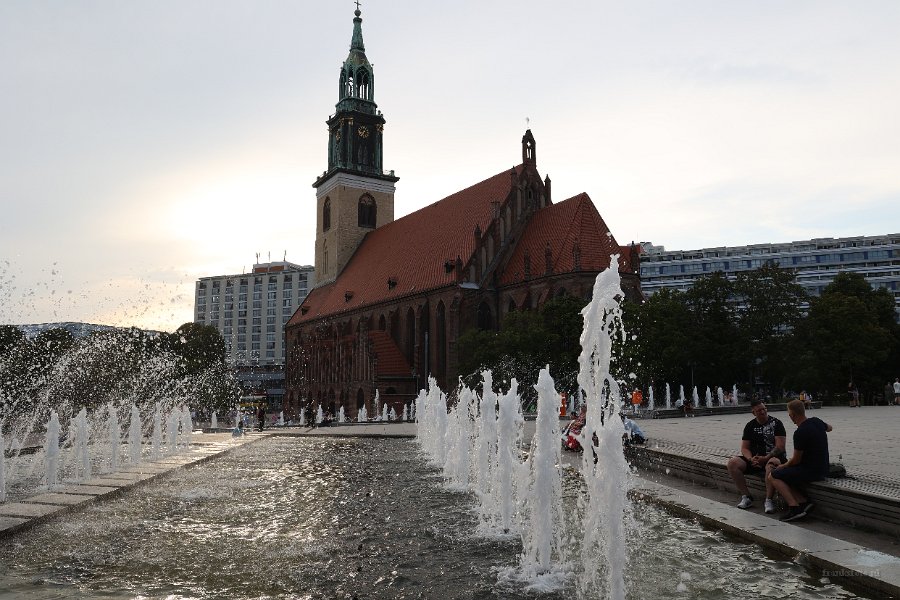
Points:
(688, 407)
(633, 433)
(573, 429)
(762, 449)
(808, 463)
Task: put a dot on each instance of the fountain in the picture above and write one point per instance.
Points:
(2, 465)
(173, 419)
(80, 447)
(734, 394)
(385, 415)
(319, 416)
(134, 436)
(106, 547)
(156, 448)
(720, 395)
(187, 427)
(281, 417)
(709, 401)
(544, 520)
(214, 421)
(405, 416)
(362, 416)
(668, 397)
(51, 451)
(115, 443)
(651, 403)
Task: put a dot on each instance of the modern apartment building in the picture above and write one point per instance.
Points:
(815, 262)
(250, 311)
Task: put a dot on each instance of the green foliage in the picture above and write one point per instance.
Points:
(771, 303)
(848, 335)
(56, 369)
(527, 341)
(719, 333)
(658, 330)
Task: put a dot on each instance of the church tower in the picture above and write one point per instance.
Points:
(354, 196)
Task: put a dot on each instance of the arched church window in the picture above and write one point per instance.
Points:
(368, 211)
(326, 215)
(485, 318)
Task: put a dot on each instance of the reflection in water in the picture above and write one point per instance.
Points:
(319, 518)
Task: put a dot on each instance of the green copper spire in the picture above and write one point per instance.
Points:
(357, 42)
(356, 129)
(357, 83)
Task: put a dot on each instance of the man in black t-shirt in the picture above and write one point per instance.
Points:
(762, 449)
(808, 463)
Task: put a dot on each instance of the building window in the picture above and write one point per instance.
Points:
(367, 211)
(326, 215)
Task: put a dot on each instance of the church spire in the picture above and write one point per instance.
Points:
(357, 42)
(355, 140)
(357, 83)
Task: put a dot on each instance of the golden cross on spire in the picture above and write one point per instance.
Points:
(357, 4)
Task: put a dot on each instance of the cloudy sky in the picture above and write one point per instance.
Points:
(144, 144)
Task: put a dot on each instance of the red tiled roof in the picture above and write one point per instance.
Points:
(564, 224)
(390, 360)
(411, 251)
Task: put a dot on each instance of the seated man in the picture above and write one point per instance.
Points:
(762, 449)
(633, 433)
(808, 463)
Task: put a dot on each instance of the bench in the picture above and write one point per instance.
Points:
(701, 411)
(864, 500)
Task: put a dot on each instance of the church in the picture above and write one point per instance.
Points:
(394, 295)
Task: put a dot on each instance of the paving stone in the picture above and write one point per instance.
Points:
(104, 482)
(148, 468)
(7, 523)
(87, 490)
(59, 498)
(23, 509)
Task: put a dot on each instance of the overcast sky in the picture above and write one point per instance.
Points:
(144, 144)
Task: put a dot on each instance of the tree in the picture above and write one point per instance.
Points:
(528, 341)
(848, 335)
(199, 347)
(658, 330)
(10, 337)
(770, 303)
(716, 347)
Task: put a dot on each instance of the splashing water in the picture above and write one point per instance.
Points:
(542, 543)
(607, 479)
(134, 436)
(51, 451)
(80, 447)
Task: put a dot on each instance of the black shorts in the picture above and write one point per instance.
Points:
(796, 475)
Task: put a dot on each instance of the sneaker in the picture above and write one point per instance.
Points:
(746, 502)
(770, 506)
(806, 507)
(794, 513)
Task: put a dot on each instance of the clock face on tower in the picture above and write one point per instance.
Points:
(363, 131)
